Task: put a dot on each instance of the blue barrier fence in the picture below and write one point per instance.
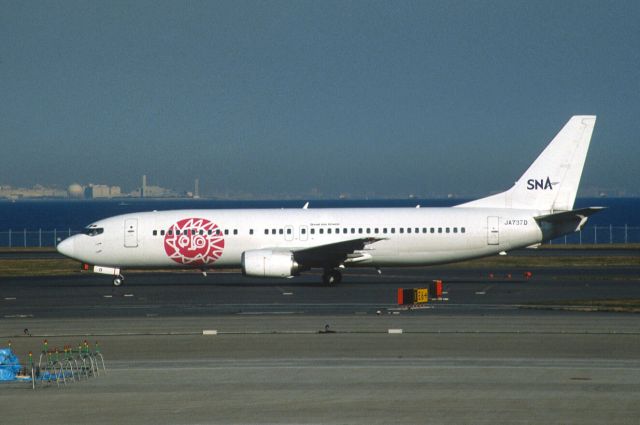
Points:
(607, 234)
(25, 238)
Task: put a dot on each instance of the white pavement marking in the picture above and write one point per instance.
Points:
(484, 290)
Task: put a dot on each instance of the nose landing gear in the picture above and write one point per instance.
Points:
(117, 281)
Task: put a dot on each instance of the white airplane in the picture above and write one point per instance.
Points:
(285, 242)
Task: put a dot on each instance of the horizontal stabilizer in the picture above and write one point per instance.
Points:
(565, 217)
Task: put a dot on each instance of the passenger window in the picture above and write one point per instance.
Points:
(226, 231)
(402, 230)
(155, 233)
(303, 231)
(345, 230)
(313, 231)
(353, 230)
(424, 230)
(408, 229)
(329, 231)
(266, 231)
(177, 232)
(288, 231)
(201, 232)
(417, 230)
(162, 232)
(439, 229)
(235, 231)
(273, 231)
(384, 230)
(368, 230)
(455, 230)
(393, 230)
(170, 232)
(360, 230)
(280, 231)
(448, 230)
(376, 231)
(433, 230)
(462, 230)
(321, 231)
(251, 231)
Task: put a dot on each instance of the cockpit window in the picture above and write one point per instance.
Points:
(93, 231)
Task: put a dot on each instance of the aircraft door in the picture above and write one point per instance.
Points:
(131, 233)
(303, 233)
(493, 230)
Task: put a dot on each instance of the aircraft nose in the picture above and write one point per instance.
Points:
(67, 247)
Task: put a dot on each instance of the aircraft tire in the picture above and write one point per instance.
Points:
(117, 281)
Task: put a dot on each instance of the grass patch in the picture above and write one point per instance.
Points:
(37, 267)
(63, 266)
(572, 261)
(631, 305)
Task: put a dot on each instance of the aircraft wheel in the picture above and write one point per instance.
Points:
(117, 281)
(332, 277)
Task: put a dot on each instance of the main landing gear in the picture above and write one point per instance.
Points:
(331, 277)
(117, 281)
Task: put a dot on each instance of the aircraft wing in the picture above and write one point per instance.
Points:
(334, 254)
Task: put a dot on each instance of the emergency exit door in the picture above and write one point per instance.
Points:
(131, 233)
(493, 230)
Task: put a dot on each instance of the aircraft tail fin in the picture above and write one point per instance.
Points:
(551, 182)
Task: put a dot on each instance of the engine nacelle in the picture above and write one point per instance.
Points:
(269, 263)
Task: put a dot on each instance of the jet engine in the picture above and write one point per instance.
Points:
(269, 263)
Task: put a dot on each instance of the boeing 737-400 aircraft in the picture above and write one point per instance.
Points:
(286, 242)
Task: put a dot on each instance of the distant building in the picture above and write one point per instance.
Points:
(95, 191)
(159, 192)
(36, 191)
(150, 191)
(75, 191)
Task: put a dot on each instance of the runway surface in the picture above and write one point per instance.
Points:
(547, 367)
(479, 358)
(362, 291)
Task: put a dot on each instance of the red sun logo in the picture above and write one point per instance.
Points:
(194, 242)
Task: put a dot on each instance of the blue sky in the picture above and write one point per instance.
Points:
(297, 97)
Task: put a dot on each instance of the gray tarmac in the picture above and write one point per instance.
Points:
(362, 291)
(478, 358)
